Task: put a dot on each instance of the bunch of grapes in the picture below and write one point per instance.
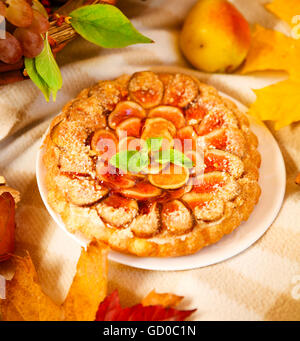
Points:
(25, 25)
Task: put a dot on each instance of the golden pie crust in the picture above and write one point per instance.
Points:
(148, 214)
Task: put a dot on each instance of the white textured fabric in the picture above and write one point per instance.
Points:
(255, 285)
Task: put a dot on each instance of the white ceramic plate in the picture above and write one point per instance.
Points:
(272, 183)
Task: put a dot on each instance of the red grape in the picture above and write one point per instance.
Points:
(19, 13)
(10, 49)
(31, 42)
(39, 23)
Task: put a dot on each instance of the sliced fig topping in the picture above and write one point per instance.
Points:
(218, 183)
(198, 162)
(104, 143)
(146, 89)
(216, 119)
(169, 113)
(158, 124)
(87, 112)
(176, 218)
(160, 128)
(171, 178)
(205, 206)
(130, 127)
(72, 163)
(218, 160)
(69, 135)
(180, 91)
(188, 138)
(142, 191)
(117, 211)
(131, 143)
(147, 224)
(123, 111)
(113, 177)
(200, 107)
(108, 94)
(231, 140)
(195, 111)
(80, 191)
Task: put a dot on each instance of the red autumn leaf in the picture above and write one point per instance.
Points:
(111, 310)
(7, 225)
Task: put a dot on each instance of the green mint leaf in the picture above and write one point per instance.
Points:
(173, 156)
(48, 69)
(105, 25)
(153, 144)
(180, 159)
(121, 159)
(138, 162)
(36, 78)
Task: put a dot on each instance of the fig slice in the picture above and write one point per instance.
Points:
(108, 94)
(169, 113)
(146, 89)
(80, 191)
(123, 111)
(130, 127)
(188, 138)
(216, 119)
(117, 211)
(147, 224)
(75, 163)
(159, 128)
(176, 217)
(158, 124)
(69, 135)
(141, 191)
(219, 184)
(113, 177)
(230, 140)
(209, 210)
(131, 143)
(171, 178)
(218, 160)
(105, 143)
(180, 90)
(205, 205)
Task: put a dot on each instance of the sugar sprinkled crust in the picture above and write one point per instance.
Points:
(129, 213)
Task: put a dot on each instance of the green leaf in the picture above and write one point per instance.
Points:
(138, 162)
(36, 78)
(121, 159)
(105, 25)
(48, 69)
(173, 156)
(153, 144)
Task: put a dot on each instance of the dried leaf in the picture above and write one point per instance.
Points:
(26, 300)
(7, 225)
(272, 50)
(89, 285)
(166, 300)
(284, 10)
(278, 102)
(111, 310)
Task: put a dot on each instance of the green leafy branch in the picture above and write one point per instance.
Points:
(102, 24)
(135, 161)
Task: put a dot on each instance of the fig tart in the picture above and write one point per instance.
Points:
(153, 164)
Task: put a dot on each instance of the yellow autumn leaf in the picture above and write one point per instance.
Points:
(284, 10)
(272, 50)
(26, 301)
(278, 102)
